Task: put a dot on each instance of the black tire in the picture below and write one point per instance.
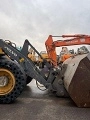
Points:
(20, 80)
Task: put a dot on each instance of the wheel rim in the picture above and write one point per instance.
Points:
(7, 81)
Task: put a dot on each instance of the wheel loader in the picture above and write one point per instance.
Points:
(70, 79)
(40, 61)
(31, 55)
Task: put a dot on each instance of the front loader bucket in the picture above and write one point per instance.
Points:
(77, 79)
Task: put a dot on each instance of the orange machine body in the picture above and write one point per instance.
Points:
(51, 45)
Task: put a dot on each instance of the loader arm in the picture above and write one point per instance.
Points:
(51, 45)
(26, 63)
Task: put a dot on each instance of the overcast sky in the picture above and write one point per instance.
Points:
(37, 19)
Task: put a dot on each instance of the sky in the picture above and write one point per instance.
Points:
(35, 20)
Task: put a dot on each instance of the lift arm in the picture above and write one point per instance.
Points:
(21, 57)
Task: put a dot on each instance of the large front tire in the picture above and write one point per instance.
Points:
(12, 81)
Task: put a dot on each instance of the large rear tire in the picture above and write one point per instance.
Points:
(12, 80)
